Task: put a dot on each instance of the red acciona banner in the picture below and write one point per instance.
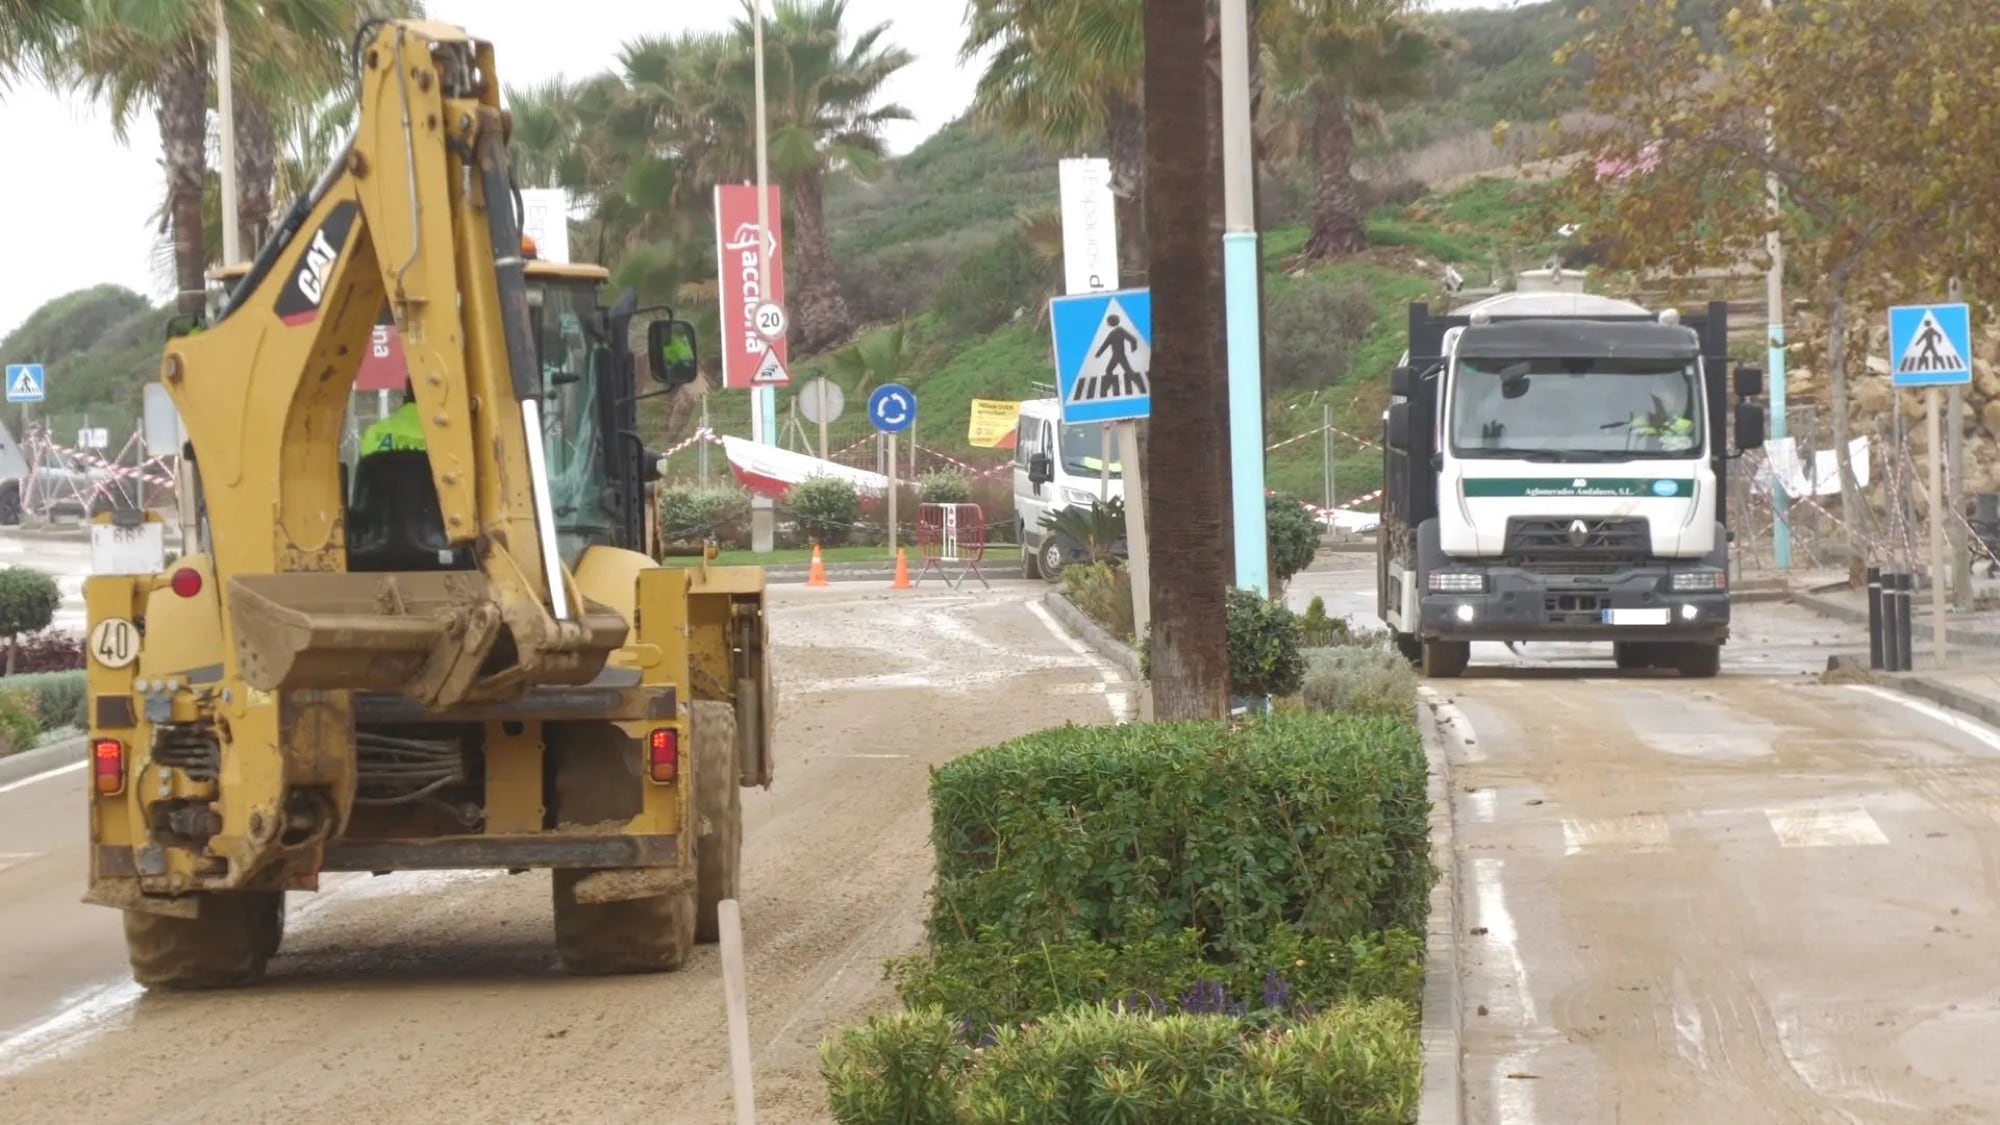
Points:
(382, 365)
(743, 288)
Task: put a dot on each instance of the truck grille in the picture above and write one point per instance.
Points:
(1581, 545)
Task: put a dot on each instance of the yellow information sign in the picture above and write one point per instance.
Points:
(993, 423)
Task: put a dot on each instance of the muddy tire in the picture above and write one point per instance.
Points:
(718, 812)
(226, 945)
(640, 935)
(1699, 661)
(1631, 656)
(1445, 660)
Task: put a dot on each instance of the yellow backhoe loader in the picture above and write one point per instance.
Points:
(445, 657)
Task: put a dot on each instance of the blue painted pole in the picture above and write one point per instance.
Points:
(1246, 410)
(1240, 294)
(767, 405)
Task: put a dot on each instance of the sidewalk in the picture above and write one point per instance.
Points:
(1970, 682)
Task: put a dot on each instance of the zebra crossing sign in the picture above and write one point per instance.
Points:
(1104, 355)
(26, 382)
(1930, 345)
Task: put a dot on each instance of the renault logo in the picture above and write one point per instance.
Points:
(1579, 533)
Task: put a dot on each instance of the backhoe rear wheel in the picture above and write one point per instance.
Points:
(653, 934)
(718, 810)
(225, 945)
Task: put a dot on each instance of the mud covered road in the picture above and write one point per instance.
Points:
(436, 998)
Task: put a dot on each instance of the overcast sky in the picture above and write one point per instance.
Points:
(76, 202)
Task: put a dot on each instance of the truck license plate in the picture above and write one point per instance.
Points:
(1636, 616)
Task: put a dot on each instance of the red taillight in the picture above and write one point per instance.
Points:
(663, 755)
(186, 582)
(107, 757)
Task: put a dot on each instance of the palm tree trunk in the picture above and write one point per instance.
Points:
(256, 168)
(183, 120)
(1183, 461)
(1337, 225)
(1126, 130)
(817, 307)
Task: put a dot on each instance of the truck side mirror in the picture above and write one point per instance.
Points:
(1040, 470)
(670, 352)
(1749, 426)
(1403, 382)
(1399, 424)
(1749, 381)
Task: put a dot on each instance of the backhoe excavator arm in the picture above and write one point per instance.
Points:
(418, 210)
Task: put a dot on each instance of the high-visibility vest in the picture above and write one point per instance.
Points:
(401, 432)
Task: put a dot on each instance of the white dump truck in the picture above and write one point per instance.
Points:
(1556, 469)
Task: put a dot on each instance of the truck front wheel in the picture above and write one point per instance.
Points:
(718, 799)
(1699, 661)
(225, 945)
(1446, 660)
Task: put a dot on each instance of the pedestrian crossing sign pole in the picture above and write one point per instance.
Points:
(1930, 347)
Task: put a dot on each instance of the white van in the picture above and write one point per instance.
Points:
(1056, 467)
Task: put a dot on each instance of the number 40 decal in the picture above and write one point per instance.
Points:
(114, 642)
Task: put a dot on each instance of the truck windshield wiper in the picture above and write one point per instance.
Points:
(1567, 455)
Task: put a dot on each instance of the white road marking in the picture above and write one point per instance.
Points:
(45, 775)
(15, 859)
(1825, 828)
(1515, 1098)
(1641, 832)
(1485, 804)
(1959, 723)
(1086, 687)
(1119, 702)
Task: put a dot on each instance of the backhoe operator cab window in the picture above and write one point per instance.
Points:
(575, 361)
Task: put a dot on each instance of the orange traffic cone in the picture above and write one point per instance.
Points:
(817, 575)
(902, 581)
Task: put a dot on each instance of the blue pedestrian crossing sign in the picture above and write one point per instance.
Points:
(1104, 355)
(26, 382)
(1930, 345)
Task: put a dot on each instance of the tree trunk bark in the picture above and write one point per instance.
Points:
(1338, 228)
(817, 307)
(1853, 502)
(1127, 136)
(256, 168)
(183, 121)
(1185, 465)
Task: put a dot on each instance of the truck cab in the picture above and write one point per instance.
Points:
(1556, 470)
(1057, 467)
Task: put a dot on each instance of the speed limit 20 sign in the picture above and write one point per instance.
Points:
(769, 320)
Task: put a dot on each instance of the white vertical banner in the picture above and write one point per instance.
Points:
(1090, 225)
(545, 218)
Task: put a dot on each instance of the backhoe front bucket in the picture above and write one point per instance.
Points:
(427, 635)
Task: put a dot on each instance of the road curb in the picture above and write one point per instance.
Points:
(41, 759)
(1966, 703)
(1100, 640)
(1442, 1100)
(1840, 611)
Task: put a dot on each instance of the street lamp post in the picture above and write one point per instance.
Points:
(225, 103)
(763, 399)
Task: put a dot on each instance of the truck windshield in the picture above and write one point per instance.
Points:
(1576, 409)
(573, 357)
(1083, 451)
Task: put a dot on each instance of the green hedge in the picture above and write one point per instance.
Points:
(1115, 834)
(60, 697)
(1359, 1064)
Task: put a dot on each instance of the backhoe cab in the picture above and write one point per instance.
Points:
(449, 657)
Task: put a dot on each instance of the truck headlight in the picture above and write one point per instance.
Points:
(1078, 498)
(1457, 582)
(1700, 581)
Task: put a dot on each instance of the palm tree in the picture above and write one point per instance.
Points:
(1186, 484)
(877, 358)
(134, 54)
(32, 34)
(1333, 64)
(824, 117)
(1067, 72)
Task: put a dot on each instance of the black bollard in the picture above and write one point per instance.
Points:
(1875, 645)
(1906, 585)
(1891, 630)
